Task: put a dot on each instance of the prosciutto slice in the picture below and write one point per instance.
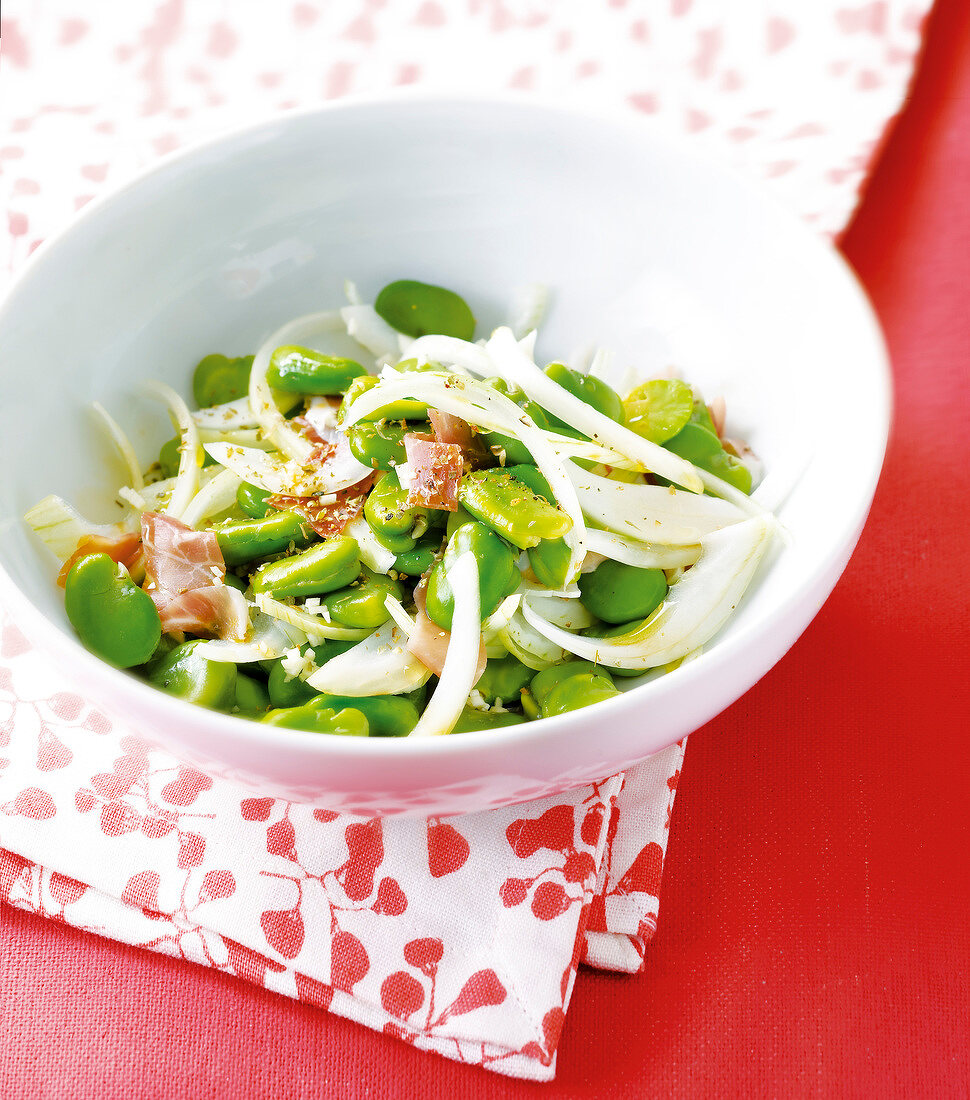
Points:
(436, 469)
(327, 519)
(125, 549)
(218, 611)
(185, 573)
(177, 558)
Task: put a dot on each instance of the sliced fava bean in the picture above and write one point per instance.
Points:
(380, 446)
(658, 409)
(587, 387)
(186, 673)
(302, 370)
(420, 309)
(705, 450)
(362, 604)
(617, 593)
(418, 560)
(218, 379)
(509, 506)
(291, 691)
(112, 616)
(391, 518)
(247, 540)
(577, 692)
(314, 572)
(471, 720)
(170, 455)
(252, 500)
(498, 573)
(387, 715)
(252, 698)
(503, 680)
(344, 723)
(403, 409)
(543, 682)
(549, 559)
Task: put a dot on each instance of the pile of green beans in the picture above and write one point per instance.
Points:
(507, 517)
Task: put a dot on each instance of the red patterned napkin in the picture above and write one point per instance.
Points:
(460, 935)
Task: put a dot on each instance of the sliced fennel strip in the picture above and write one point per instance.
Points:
(312, 626)
(461, 661)
(190, 451)
(695, 609)
(123, 444)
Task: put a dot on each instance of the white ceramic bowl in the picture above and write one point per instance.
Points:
(648, 248)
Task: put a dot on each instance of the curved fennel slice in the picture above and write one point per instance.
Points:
(650, 513)
(190, 452)
(461, 661)
(696, 607)
(380, 665)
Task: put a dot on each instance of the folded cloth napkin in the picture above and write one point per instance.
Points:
(462, 935)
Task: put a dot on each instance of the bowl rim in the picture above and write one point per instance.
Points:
(118, 683)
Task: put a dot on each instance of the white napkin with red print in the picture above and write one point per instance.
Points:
(462, 935)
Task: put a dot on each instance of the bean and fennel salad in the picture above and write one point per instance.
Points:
(434, 537)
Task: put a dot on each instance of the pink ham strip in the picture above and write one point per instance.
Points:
(451, 429)
(219, 610)
(429, 643)
(436, 469)
(185, 573)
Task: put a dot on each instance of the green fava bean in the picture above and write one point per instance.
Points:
(186, 673)
(252, 500)
(291, 691)
(704, 449)
(617, 593)
(252, 698)
(390, 516)
(503, 679)
(111, 614)
(658, 409)
(594, 391)
(218, 379)
(550, 559)
(417, 561)
(420, 309)
(498, 574)
(403, 409)
(471, 720)
(508, 450)
(171, 453)
(344, 723)
(387, 715)
(380, 446)
(314, 572)
(543, 682)
(362, 604)
(246, 540)
(302, 370)
(577, 692)
(509, 506)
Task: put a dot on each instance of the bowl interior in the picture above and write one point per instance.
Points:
(648, 250)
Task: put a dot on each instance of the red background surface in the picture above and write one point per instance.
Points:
(814, 934)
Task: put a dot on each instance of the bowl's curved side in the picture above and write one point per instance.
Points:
(649, 249)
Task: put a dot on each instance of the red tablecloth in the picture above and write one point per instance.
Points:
(814, 935)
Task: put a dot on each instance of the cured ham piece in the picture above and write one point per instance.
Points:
(451, 429)
(328, 518)
(436, 469)
(218, 611)
(185, 573)
(125, 549)
(178, 558)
